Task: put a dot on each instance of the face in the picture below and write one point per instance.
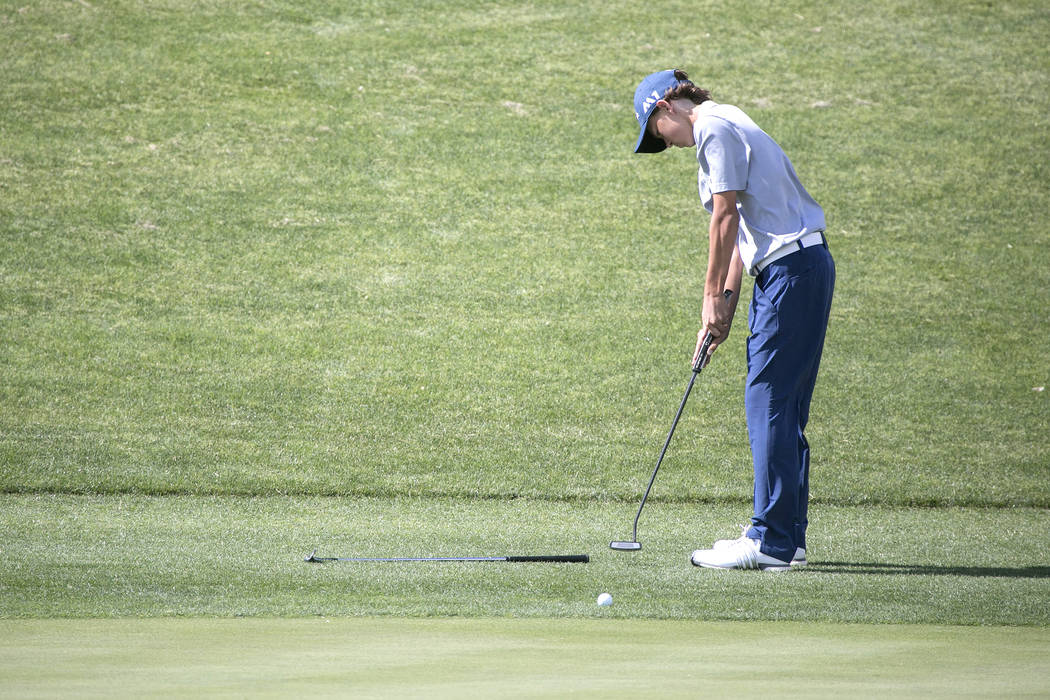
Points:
(671, 125)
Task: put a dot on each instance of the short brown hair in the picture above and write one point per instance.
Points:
(686, 90)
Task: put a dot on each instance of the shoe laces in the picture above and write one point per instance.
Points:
(744, 527)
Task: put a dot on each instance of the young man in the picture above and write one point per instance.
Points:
(762, 221)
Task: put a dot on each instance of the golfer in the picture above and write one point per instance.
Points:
(762, 221)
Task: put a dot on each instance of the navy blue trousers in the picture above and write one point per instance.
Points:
(788, 320)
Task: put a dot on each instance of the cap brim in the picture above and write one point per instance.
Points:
(647, 143)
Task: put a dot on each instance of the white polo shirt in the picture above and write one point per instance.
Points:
(735, 154)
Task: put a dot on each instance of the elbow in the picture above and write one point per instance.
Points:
(727, 222)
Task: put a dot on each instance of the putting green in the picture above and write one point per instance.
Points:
(387, 657)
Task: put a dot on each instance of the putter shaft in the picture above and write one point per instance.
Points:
(698, 365)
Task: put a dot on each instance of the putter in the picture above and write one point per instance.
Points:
(556, 558)
(701, 359)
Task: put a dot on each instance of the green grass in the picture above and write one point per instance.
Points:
(90, 556)
(369, 658)
(385, 278)
(304, 248)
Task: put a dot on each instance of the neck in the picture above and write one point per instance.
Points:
(696, 109)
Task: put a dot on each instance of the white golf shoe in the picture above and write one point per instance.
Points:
(798, 560)
(742, 553)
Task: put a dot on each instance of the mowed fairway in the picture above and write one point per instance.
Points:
(976, 607)
(373, 658)
(140, 556)
(384, 279)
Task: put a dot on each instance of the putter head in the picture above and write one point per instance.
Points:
(625, 546)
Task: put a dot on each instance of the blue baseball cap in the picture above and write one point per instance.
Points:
(650, 91)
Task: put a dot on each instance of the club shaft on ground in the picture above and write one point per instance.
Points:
(556, 558)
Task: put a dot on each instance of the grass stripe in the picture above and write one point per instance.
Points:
(370, 657)
(135, 556)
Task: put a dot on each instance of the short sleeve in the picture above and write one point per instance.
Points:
(722, 155)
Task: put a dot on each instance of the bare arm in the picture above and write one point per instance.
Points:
(724, 271)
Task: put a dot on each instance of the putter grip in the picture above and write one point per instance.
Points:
(567, 558)
(702, 357)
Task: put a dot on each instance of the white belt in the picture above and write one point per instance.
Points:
(807, 241)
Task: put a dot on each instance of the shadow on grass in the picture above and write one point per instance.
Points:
(842, 567)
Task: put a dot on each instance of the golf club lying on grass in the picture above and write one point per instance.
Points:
(556, 558)
(701, 359)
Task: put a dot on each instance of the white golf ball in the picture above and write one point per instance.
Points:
(605, 600)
